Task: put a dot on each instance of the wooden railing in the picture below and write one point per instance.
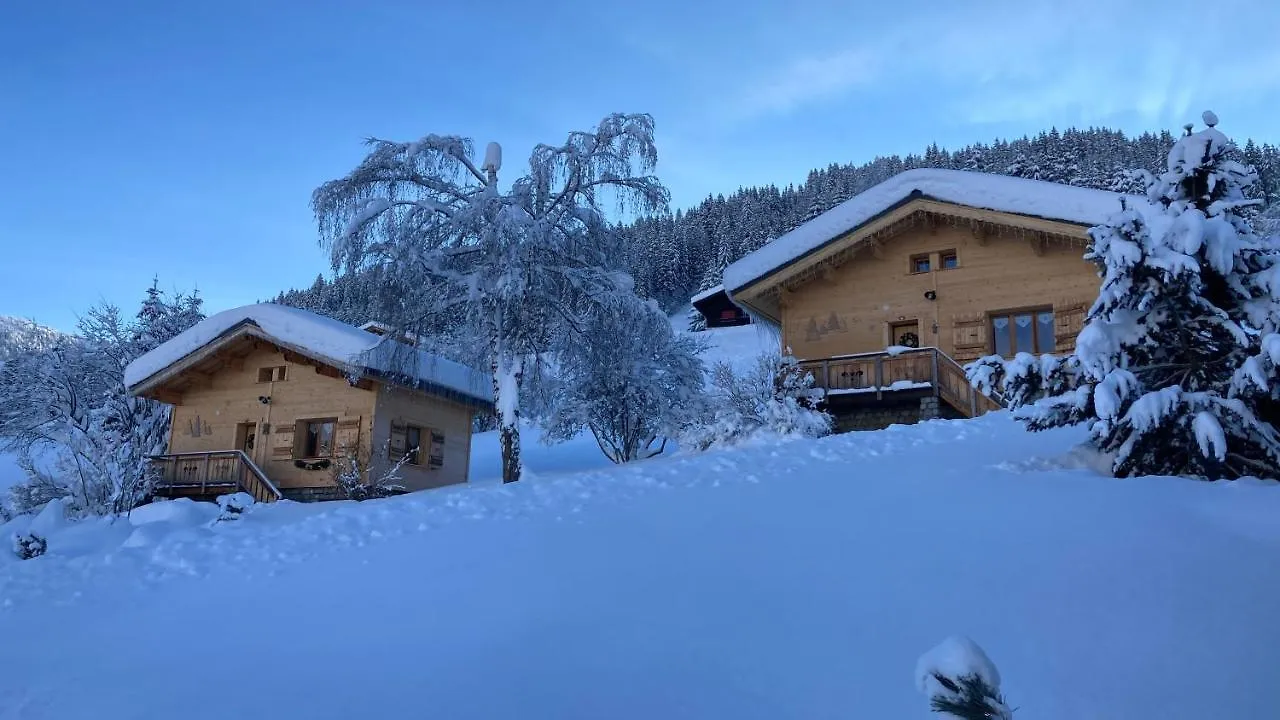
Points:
(888, 372)
(213, 473)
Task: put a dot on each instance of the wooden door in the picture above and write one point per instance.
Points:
(905, 333)
(246, 438)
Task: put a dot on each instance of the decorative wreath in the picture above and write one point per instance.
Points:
(909, 339)
(315, 465)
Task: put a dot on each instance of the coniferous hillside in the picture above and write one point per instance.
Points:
(674, 256)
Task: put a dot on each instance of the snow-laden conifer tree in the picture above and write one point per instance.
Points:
(1174, 368)
(629, 379)
(519, 265)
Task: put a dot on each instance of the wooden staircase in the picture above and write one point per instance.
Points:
(207, 475)
(883, 375)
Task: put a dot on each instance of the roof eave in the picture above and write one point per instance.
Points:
(905, 200)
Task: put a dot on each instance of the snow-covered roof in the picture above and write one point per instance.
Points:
(320, 338)
(706, 294)
(1003, 193)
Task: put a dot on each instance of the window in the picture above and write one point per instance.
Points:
(948, 260)
(271, 374)
(413, 444)
(919, 263)
(314, 438)
(1029, 331)
(416, 445)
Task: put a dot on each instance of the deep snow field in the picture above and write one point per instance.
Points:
(791, 579)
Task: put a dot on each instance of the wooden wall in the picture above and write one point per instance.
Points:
(852, 309)
(207, 417)
(400, 406)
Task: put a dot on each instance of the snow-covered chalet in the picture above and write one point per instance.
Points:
(273, 401)
(887, 294)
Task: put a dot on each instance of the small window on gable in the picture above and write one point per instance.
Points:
(948, 260)
(920, 263)
(272, 374)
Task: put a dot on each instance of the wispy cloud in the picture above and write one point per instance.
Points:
(1022, 61)
(808, 79)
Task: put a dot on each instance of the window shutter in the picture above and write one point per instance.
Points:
(435, 459)
(1068, 320)
(282, 441)
(969, 337)
(397, 448)
(347, 434)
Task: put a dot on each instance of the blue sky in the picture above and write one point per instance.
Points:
(183, 140)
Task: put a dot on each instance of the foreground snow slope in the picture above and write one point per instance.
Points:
(798, 580)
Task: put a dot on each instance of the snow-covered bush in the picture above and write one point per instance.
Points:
(1175, 369)
(68, 403)
(629, 379)
(29, 545)
(961, 681)
(774, 397)
(355, 476)
(517, 267)
(233, 506)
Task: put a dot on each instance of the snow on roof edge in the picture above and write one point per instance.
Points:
(321, 338)
(703, 295)
(1002, 193)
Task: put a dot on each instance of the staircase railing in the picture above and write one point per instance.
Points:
(214, 472)
(884, 372)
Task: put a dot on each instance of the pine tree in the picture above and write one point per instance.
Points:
(1173, 370)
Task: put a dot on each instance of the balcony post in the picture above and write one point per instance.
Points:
(936, 380)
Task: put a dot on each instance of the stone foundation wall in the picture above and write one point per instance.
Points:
(313, 494)
(882, 415)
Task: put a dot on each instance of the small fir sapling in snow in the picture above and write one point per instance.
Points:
(29, 545)
(961, 681)
(697, 323)
(518, 267)
(1175, 369)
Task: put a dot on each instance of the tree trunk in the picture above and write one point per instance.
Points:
(506, 398)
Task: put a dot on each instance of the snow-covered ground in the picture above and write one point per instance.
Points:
(10, 473)
(796, 580)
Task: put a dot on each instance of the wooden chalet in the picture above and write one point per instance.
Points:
(718, 310)
(885, 296)
(269, 400)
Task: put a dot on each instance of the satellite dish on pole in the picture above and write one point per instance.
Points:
(492, 161)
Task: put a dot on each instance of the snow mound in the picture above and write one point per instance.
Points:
(179, 511)
(319, 337)
(1003, 193)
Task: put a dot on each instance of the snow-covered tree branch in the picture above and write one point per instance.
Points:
(521, 267)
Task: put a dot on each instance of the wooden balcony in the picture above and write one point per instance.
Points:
(206, 475)
(919, 371)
